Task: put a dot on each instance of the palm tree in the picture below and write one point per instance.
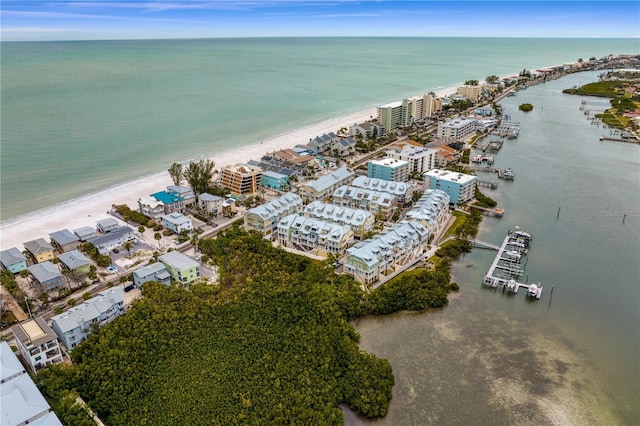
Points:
(175, 171)
(127, 246)
(157, 236)
(194, 243)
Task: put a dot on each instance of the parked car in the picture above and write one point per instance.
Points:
(115, 250)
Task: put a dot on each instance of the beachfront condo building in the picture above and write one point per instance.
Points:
(473, 93)
(420, 159)
(360, 221)
(37, 343)
(406, 112)
(308, 234)
(264, 218)
(182, 268)
(241, 179)
(431, 210)
(323, 187)
(370, 260)
(39, 250)
(77, 323)
(367, 129)
(460, 187)
(13, 260)
(21, 401)
(46, 275)
(388, 169)
(457, 129)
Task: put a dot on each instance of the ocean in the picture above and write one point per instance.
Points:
(78, 117)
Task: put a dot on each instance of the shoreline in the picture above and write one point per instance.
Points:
(87, 209)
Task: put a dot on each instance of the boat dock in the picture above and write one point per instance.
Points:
(506, 174)
(488, 184)
(508, 261)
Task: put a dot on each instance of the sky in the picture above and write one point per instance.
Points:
(25, 20)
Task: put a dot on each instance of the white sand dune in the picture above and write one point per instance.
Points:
(86, 210)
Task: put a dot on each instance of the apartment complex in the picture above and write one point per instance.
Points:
(431, 210)
(420, 159)
(473, 93)
(264, 218)
(460, 187)
(323, 187)
(360, 221)
(241, 179)
(75, 325)
(388, 169)
(37, 343)
(369, 260)
(458, 128)
(371, 200)
(309, 234)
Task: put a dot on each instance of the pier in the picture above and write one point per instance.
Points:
(489, 212)
(488, 184)
(506, 174)
(507, 261)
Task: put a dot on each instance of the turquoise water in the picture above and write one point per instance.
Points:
(78, 117)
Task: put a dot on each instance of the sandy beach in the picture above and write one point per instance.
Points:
(88, 209)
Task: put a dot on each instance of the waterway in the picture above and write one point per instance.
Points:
(570, 358)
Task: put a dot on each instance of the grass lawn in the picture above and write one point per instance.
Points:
(461, 218)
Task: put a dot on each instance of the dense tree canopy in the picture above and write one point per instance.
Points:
(271, 344)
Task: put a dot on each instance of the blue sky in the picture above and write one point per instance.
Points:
(115, 19)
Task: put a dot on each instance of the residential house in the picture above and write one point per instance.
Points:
(460, 187)
(323, 143)
(431, 210)
(446, 155)
(153, 272)
(388, 169)
(360, 221)
(211, 204)
(264, 218)
(37, 343)
(308, 234)
(275, 181)
(46, 274)
(64, 240)
(241, 179)
(39, 250)
(76, 324)
(370, 260)
(13, 260)
(374, 201)
(74, 260)
(21, 401)
(177, 222)
(182, 268)
(151, 207)
(292, 157)
(323, 187)
(187, 194)
(107, 225)
(84, 233)
(114, 238)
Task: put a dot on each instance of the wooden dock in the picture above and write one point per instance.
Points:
(619, 139)
(508, 260)
(489, 212)
(506, 174)
(488, 184)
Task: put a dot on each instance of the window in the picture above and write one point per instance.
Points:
(38, 358)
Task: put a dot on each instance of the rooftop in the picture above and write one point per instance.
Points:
(274, 207)
(74, 259)
(176, 218)
(64, 236)
(89, 309)
(44, 271)
(335, 213)
(389, 162)
(110, 236)
(392, 187)
(166, 198)
(11, 256)
(178, 260)
(326, 181)
(450, 176)
(37, 246)
(33, 332)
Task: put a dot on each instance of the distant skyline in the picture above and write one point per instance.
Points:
(26, 20)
